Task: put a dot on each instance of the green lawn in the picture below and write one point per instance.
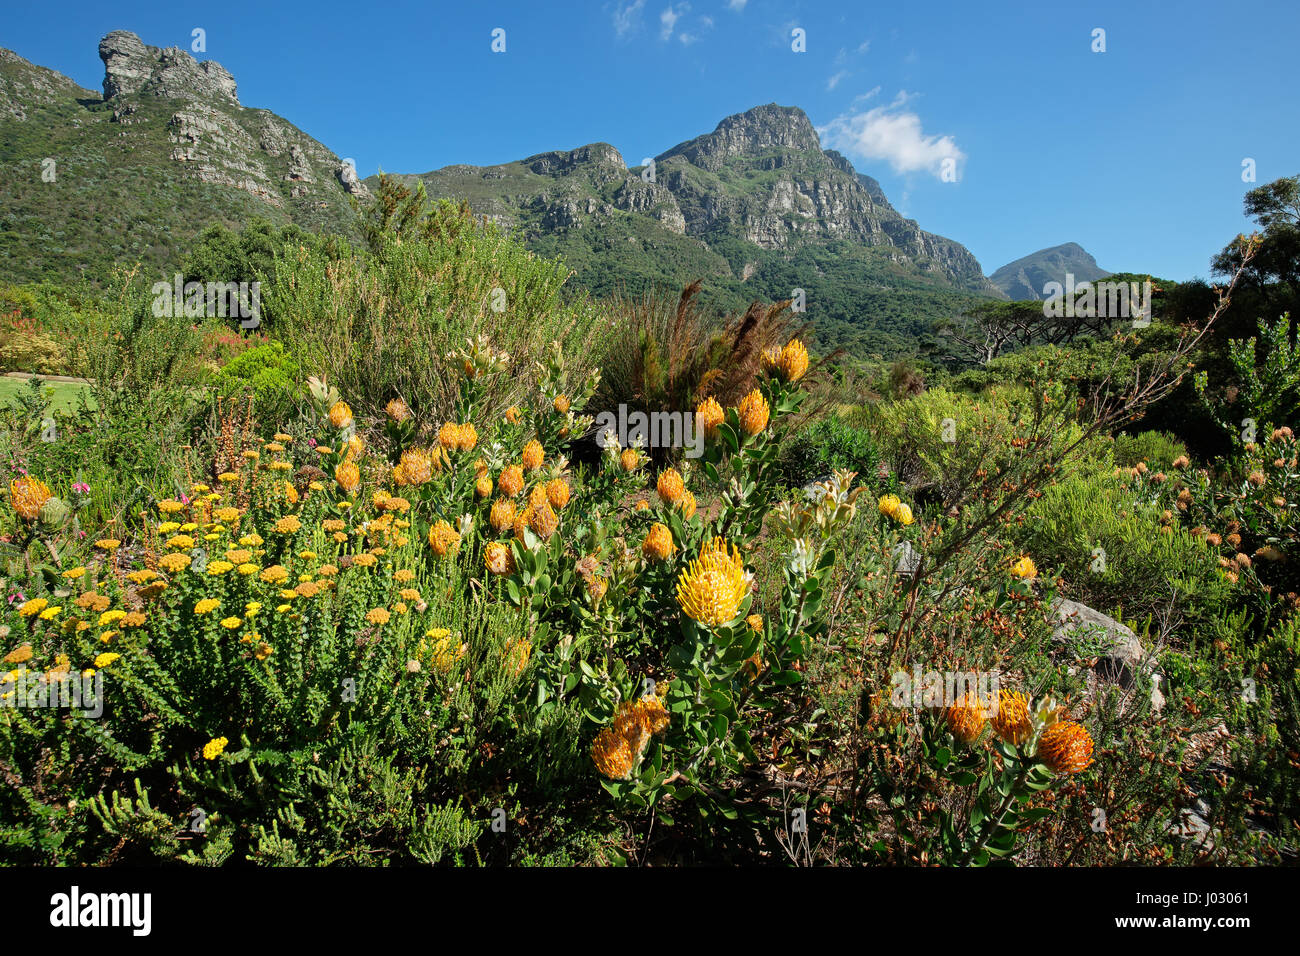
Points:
(65, 395)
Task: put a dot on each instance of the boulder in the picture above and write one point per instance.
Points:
(1087, 633)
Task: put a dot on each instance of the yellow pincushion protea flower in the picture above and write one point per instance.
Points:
(755, 622)
(712, 588)
(790, 362)
(397, 410)
(1024, 568)
(903, 514)
(617, 747)
(561, 404)
(28, 495)
(1012, 722)
(449, 436)
(557, 493)
(512, 414)
(888, 506)
(537, 497)
(511, 481)
(443, 539)
(658, 544)
(533, 455)
(670, 486)
(417, 466)
(340, 415)
(499, 558)
(1065, 747)
(483, 486)
(467, 437)
(709, 415)
(966, 719)
(348, 475)
(753, 412)
(214, 748)
(356, 447)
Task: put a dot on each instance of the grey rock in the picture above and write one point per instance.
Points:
(1087, 633)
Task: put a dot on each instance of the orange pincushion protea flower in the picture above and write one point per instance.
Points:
(557, 493)
(483, 485)
(714, 585)
(397, 410)
(1065, 747)
(28, 495)
(348, 475)
(502, 515)
(629, 459)
(561, 404)
(617, 748)
(658, 544)
(340, 415)
(612, 755)
(533, 455)
(709, 415)
(443, 539)
(670, 486)
(687, 505)
(790, 363)
(511, 481)
(966, 719)
(499, 558)
(543, 521)
(416, 465)
(754, 413)
(1011, 722)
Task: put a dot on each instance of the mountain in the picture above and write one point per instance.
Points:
(756, 208)
(1025, 278)
(137, 172)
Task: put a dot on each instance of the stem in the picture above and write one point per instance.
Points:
(1003, 807)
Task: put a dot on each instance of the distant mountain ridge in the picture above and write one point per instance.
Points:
(756, 207)
(1026, 277)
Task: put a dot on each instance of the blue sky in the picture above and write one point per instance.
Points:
(1135, 153)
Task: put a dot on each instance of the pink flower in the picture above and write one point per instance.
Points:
(81, 487)
(312, 442)
(185, 499)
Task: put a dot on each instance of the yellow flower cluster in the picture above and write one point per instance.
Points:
(891, 507)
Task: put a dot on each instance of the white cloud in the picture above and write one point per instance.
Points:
(737, 5)
(668, 19)
(835, 80)
(687, 38)
(894, 135)
(863, 46)
(874, 91)
(626, 16)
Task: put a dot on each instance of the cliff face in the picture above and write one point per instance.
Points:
(137, 172)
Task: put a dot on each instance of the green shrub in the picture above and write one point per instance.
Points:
(826, 446)
(268, 372)
(1120, 553)
(1158, 449)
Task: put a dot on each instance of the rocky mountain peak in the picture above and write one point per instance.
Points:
(131, 66)
(752, 132)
